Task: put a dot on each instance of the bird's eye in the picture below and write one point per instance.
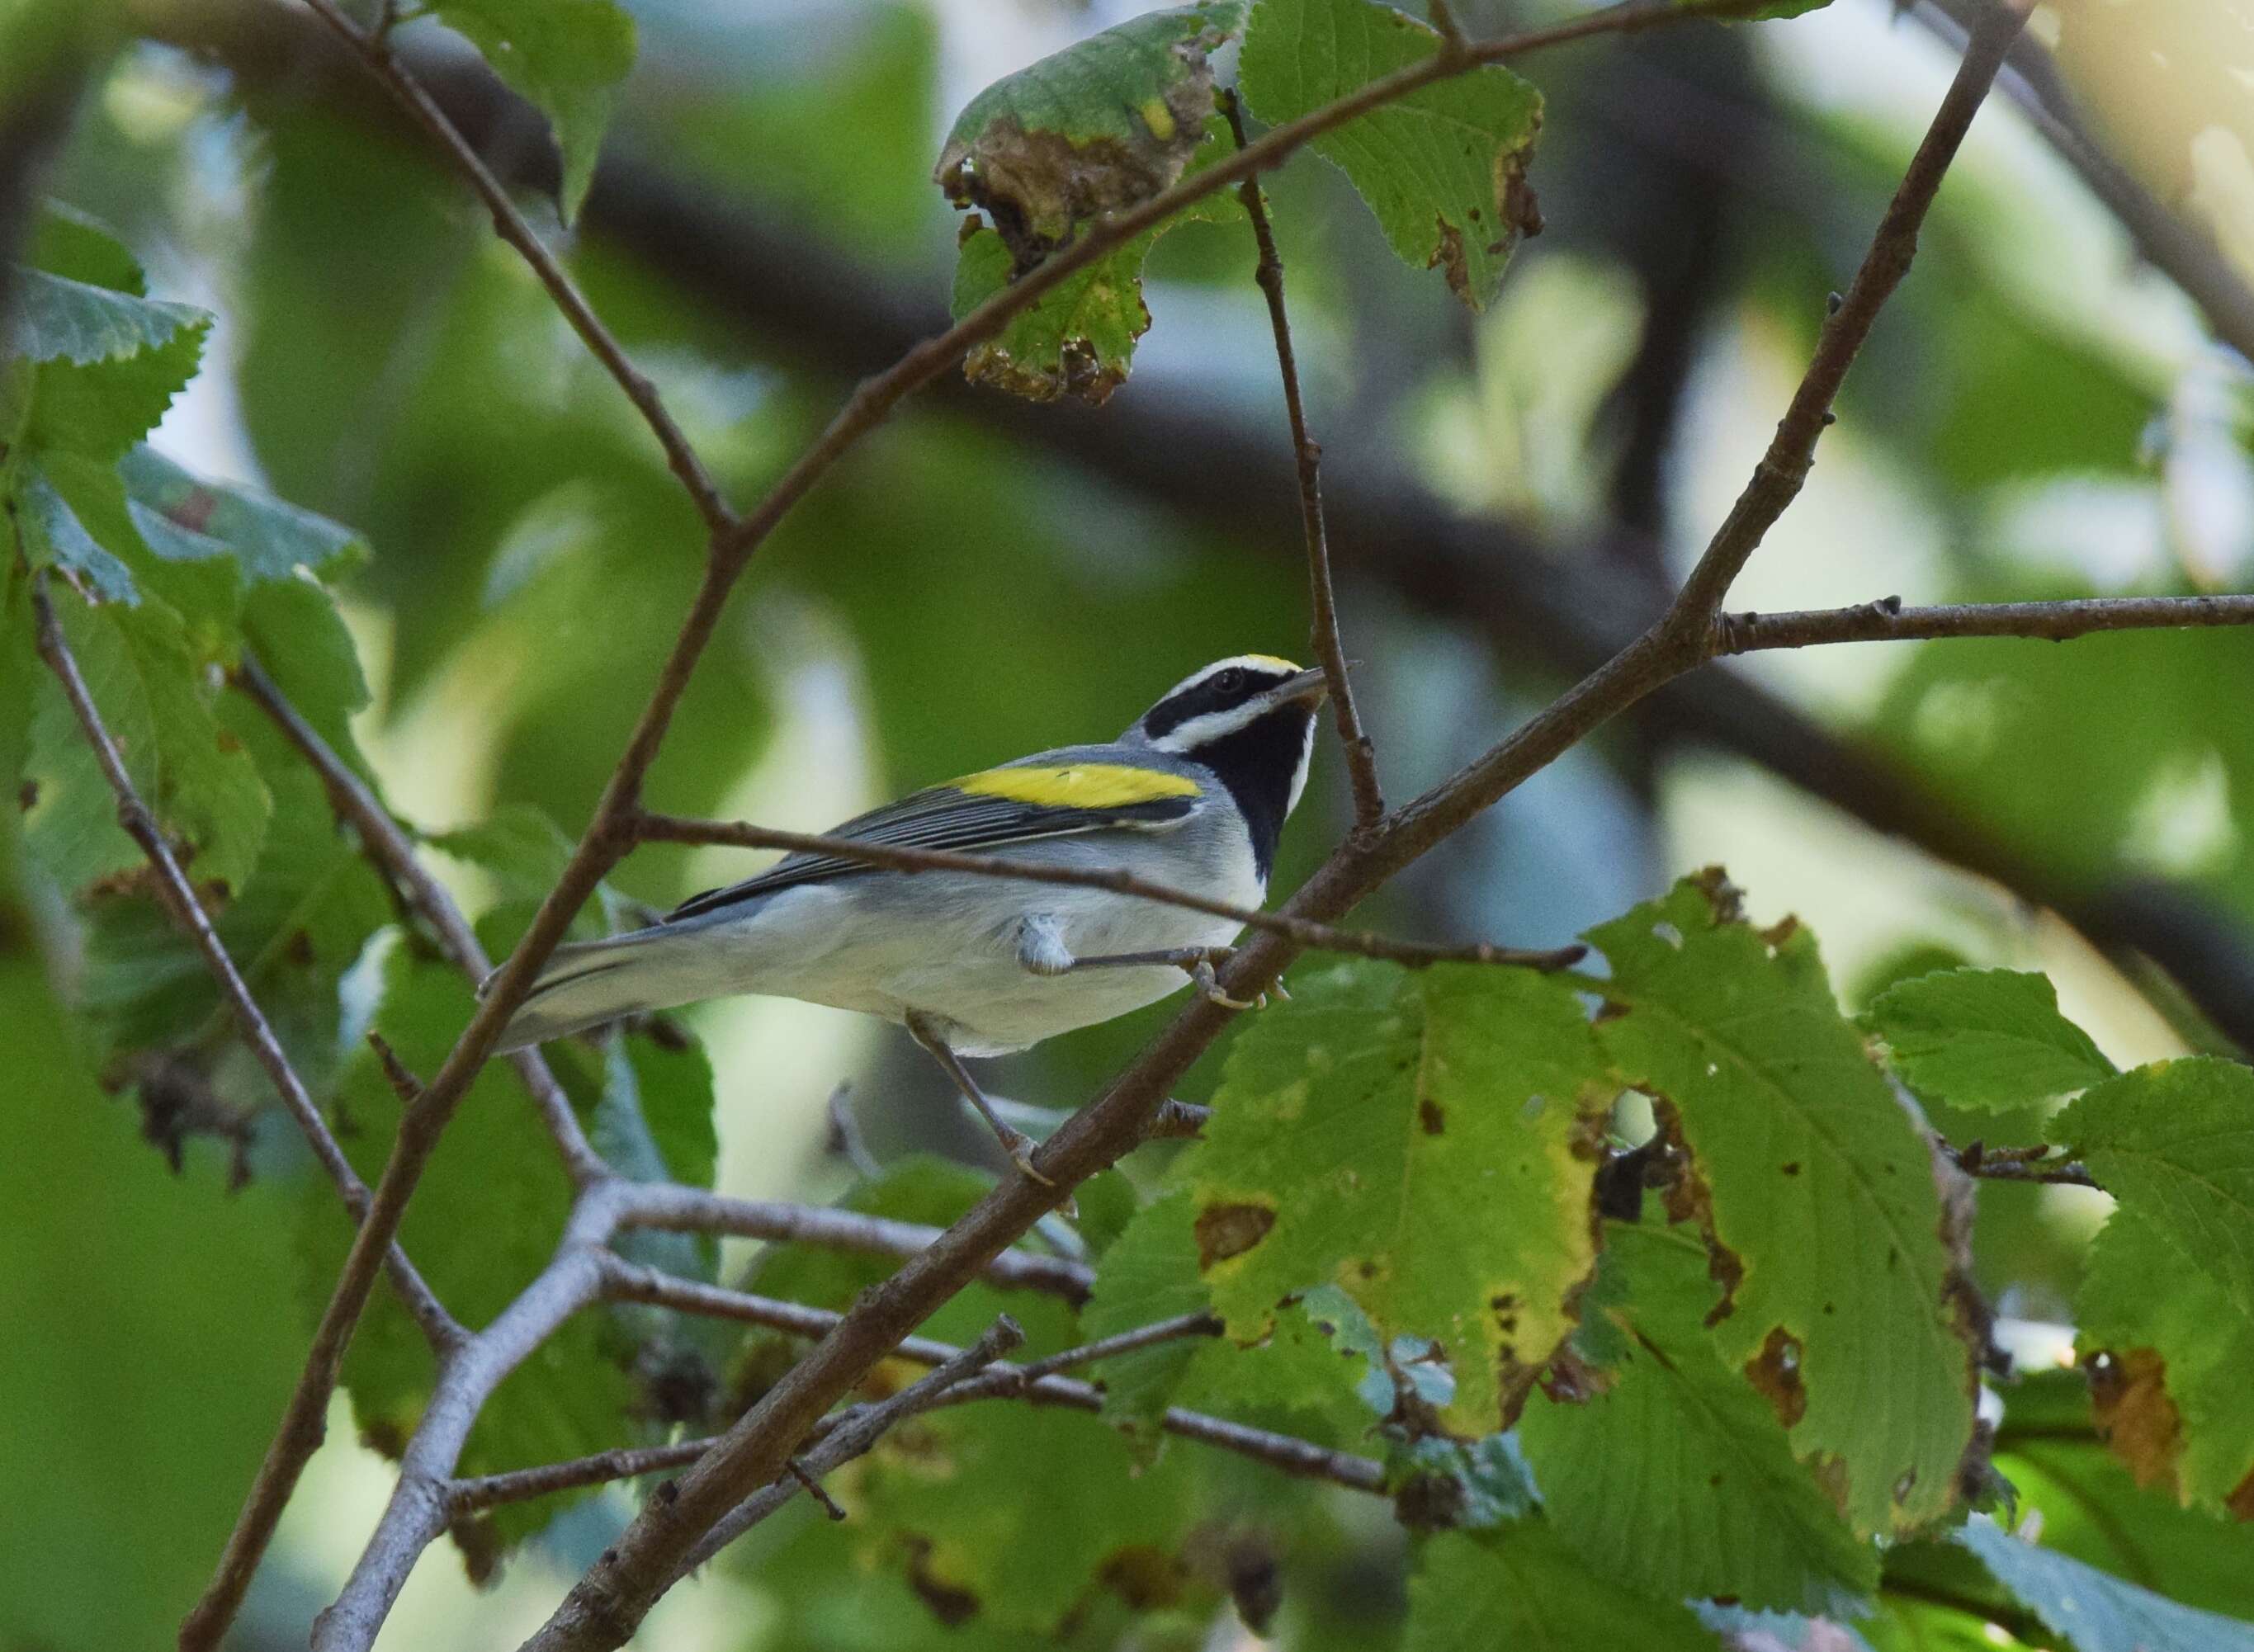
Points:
(1229, 682)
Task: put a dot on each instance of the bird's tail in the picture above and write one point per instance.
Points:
(591, 981)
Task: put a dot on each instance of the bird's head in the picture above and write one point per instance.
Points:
(1250, 719)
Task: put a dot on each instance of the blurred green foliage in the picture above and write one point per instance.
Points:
(1729, 1405)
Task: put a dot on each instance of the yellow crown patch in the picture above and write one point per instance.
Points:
(1078, 786)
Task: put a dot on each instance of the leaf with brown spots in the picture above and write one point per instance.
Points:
(1679, 1473)
(1105, 123)
(2174, 1399)
(1320, 1128)
(1740, 1033)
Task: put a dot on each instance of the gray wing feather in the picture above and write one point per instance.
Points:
(939, 818)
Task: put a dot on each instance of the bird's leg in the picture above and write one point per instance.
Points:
(1042, 950)
(1016, 1143)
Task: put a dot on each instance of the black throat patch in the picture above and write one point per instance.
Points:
(1257, 763)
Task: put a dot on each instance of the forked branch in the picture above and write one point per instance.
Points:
(607, 1604)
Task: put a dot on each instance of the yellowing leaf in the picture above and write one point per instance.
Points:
(1425, 1142)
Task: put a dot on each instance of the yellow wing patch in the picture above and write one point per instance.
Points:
(1078, 785)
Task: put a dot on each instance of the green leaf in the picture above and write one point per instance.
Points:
(1423, 1141)
(1987, 1039)
(1677, 1474)
(1794, 1133)
(193, 775)
(299, 924)
(1149, 1274)
(1104, 125)
(567, 57)
(1076, 1515)
(2174, 1143)
(1523, 1586)
(2180, 1411)
(1752, 11)
(2094, 1511)
(144, 1364)
(1079, 338)
(270, 539)
(2096, 1613)
(292, 628)
(59, 320)
(79, 247)
(1443, 168)
(55, 537)
(483, 1223)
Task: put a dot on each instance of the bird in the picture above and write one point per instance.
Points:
(1194, 794)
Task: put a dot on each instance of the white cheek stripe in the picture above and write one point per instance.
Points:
(1299, 775)
(1213, 725)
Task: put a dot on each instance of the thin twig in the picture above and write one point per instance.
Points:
(1887, 620)
(485, 1491)
(1777, 479)
(853, 1433)
(392, 852)
(1315, 937)
(374, 50)
(612, 1597)
(2178, 247)
(1361, 754)
(675, 1208)
(423, 1504)
(877, 397)
(188, 911)
(2019, 1163)
(732, 545)
(304, 1423)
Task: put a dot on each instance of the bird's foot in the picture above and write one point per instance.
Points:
(1209, 984)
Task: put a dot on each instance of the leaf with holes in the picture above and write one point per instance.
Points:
(1443, 168)
(2174, 1143)
(1105, 123)
(1079, 338)
(1426, 1143)
(566, 57)
(1676, 1472)
(1864, 1345)
(1987, 1039)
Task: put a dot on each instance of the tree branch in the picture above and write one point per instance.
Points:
(2180, 249)
(851, 1434)
(304, 1422)
(374, 50)
(1542, 606)
(733, 542)
(188, 911)
(1037, 1381)
(1322, 600)
(392, 852)
(1887, 621)
(1315, 937)
(422, 1503)
(607, 1603)
(675, 1208)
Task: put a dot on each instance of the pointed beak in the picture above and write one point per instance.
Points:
(1310, 686)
